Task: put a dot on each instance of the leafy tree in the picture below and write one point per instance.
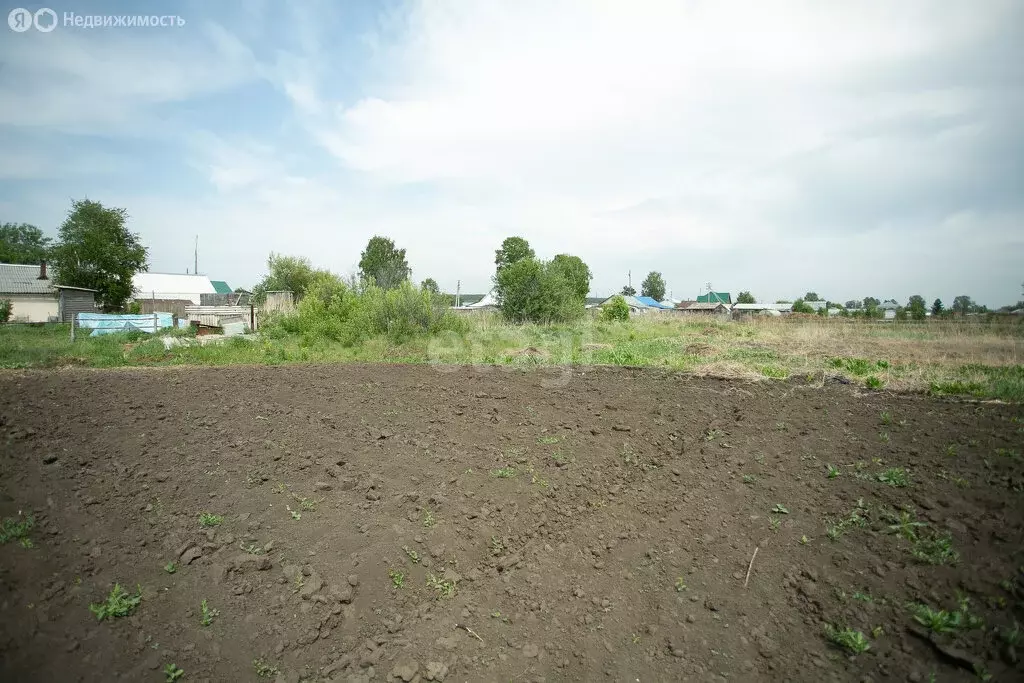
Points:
(22, 243)
(536, 291)
(783, 301)
(575, 271)
(430, 285)
(286, 273)
(871, 302)
(616, 309)
(901, 313)
(917, 308)
(6, 307)
(800, 307)
(937, 307)
(745, 298)
(96, 250)
(963, 304)
(853, 303)
(811, 296)
(628, 291)
(653, 286)
(513, 250)
(383, 264)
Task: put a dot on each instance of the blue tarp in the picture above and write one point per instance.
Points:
(651, 302)
(109, 323)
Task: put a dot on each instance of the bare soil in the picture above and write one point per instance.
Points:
(600, 528)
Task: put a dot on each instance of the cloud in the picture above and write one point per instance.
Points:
(112, 82)
(847, 148)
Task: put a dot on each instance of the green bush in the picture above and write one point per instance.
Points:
(537, 291)
(616, 309)
(402, 313)
(334, 311)
(800, 307)
(5, 310)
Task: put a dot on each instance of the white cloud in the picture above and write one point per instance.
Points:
(772, 146)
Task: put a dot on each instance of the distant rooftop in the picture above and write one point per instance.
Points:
(23, 279)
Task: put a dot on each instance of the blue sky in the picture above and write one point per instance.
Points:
(854, 149)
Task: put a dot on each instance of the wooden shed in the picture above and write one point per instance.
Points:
(72, 300)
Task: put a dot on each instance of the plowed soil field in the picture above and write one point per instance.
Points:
(357, 523)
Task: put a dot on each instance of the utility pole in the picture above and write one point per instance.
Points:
(629, 279)
(196, 264)
(458, 291)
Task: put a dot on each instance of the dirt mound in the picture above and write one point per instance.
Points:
(357, 523)
(698, 349)
(529, 352)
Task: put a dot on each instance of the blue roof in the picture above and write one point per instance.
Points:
(651, 302)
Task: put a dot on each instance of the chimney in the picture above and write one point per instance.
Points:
(42, 271)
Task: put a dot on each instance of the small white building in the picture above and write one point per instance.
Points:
(172, 286)
(30, 291)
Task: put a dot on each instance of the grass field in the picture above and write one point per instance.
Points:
(980, 359)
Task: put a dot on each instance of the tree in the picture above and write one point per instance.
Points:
(871, 302)
(937, 307)
(917, 307)
(963, 304)
(745, 298)
(383, 264)
(811, 296)
(536, 291)
(653, 286)
(6, 307)
(628, 291)
(22, 243)
(285, 274)
(513, 250)
(901, 313)
(96, 250)
(430, 285)
(575, 271)
(615, 309)
(853, 303)
(800, 307)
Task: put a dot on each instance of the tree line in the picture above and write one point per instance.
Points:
(95, 249)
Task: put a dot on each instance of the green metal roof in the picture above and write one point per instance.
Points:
(220, 287)
(715, 298)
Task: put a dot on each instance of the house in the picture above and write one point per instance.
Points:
(715, 297)
(816, 305)
(747, 310)
(30, 292)
(487, 302)
(35, 299)
(172, 287)
(703, 308)
(634, 303)
(654, 304)
(888, 307)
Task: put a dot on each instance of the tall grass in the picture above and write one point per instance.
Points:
(407, 325)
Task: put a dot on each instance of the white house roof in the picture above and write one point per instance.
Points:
(162, 285)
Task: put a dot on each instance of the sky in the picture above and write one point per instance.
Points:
(869, 148)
